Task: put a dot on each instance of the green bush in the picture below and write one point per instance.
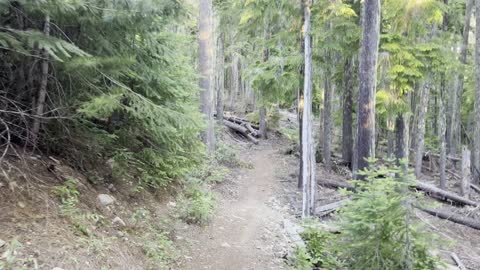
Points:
(196, 204)
(377, 227)
(68, 195)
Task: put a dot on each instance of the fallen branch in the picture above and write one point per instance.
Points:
(457, 260)
(329, 208)
(475, 187)
(469, 222)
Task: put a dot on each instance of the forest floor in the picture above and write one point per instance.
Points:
(248, 230)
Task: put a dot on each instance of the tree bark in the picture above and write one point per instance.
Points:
(421, 128)
(308, 154)
(327, 115)
(466, 172)
(221, 78)
(42, 91)
(476, 121)
(401, 139)
(442, 138)
(347, 123)
(367, 83)
(301, 72)
(205, 49)
(454, 129)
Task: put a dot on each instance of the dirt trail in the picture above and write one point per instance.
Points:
(246, 232)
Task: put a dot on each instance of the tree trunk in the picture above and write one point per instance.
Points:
(367, 83)
(421, 128)
(347, 125)
(300, 100)
(221, 78)
(42, 91)
(442, 138)
(327, 115)
(205, 49)
(466, 172)
(308, 154)
(401, 139)
(476, 120)
(454, 129)
(263, 122)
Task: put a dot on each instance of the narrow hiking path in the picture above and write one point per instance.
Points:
(247, 229)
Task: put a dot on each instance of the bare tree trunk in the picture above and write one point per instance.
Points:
(205, 49)
(421, 128)
(300, 100)
(454, 129)
(401, 139)
(347, 125)
(442, 138)
(221, 78)
(327, 115)
(367, 83)
(263, 122)
(466, 172)
(42, 91)
(476, 121)
(308, 153)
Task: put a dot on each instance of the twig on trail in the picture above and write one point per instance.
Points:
(457, 260)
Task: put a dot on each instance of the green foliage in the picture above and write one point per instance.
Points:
(68, 195)
(159, 249)
(378, 227)
(320, 247)
(301, 259)
(227, 155)
(11, 259)
(196, 204)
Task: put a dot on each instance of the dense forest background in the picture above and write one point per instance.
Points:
(143, 91)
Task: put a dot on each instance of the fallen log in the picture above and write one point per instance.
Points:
(335, 184)
(430, 190)
(469, 222)
(240, 129)
(251, 129)
(441, 194)
(427, 154)
(241, 121)
(329, 208)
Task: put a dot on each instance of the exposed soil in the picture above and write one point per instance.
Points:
(247, 231)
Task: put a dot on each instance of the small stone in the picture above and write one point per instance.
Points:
(117, 221)
(172, 204)
(120, 234)
(112, 188)
(226, 245)
(57, 268)
(104, 200)
(21, 204)
(2, 243)
(2, 184)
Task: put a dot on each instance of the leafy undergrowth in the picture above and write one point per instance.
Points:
(50, 215)
(376, 230)
(197, 202)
